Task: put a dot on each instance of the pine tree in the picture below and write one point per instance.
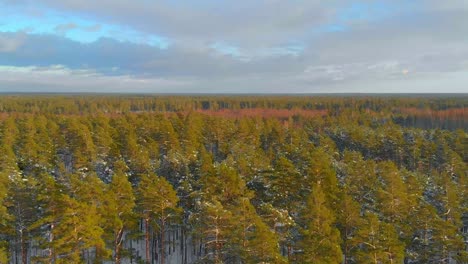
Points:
(393, 201)
(102, 135)
(379, 242)
(214, 223)
(320, 238)
(21, 203)
(8, 164)
(250, 237)
(4, 217)
(80, 145)
(27, 147)
(286, 186)
(360, 179)
(423, 248)
(119, 207)
(229, 223)
(157, 202)
(49, 195)
(320, 169)
(8, 170)
(446, 233)
(191, 133)
(349, 222)
(88, 188)
(213, 220)
(77, 230)
(43, 138)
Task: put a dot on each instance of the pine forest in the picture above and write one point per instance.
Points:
(233, 179)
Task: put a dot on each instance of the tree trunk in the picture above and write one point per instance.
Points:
(24, 253)
(216, 243)
(346, 246)
(51, 239)
(147, 240)
(118, 244)
(184, 244)
(162, 240)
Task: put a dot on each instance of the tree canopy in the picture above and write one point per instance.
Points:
(233, 179)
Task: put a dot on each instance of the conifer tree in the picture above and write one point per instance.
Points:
(119, 207)
(157, 202)
(44, 139)
(88, 188)
(102, 135)
(191, 134)
(379, 242)
(250, 237)
(360, 179)
(229, 223)
(288, 191)
(423, 248)
(213, 220)
(82, 145)
(27, 147)
(49, 200)
(9, 134)
(349, 222)
(446, 233)
(286, 184)
(320, 169)
(21, 203)
(8, 170)
(321, 239)
(4, 217)
(77, 230)
(214, 223)
(393, 201)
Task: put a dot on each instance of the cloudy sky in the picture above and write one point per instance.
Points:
(242, 46)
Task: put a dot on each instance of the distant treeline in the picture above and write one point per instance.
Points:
(428, 112)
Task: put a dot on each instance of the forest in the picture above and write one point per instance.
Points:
(233, 179)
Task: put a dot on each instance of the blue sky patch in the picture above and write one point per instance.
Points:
(83, 30)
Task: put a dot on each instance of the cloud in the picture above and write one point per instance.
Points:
(246, 23)
(81, 30)
(11, 42)
(93, 28)
(251, 46)
(64, 28)
(63, 79)
(142, 60)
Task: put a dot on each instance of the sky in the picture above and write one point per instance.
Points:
(242, 46)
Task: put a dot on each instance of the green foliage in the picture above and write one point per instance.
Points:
(349, 222)
(157, 198)
(379, 241)
(250, 238)
(4, 217)
(245, 179)
(321, 239)
(157, 204)
(119, 207)
(3, 255)
(77, 229)
(285, 181)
